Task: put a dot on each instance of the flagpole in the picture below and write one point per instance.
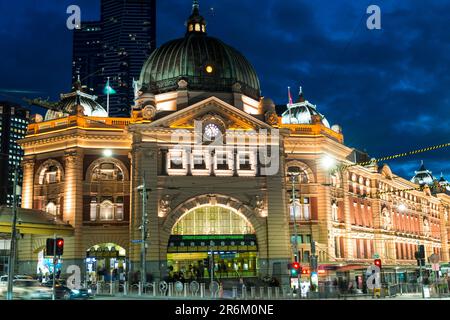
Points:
(107, 98)
(290, 104)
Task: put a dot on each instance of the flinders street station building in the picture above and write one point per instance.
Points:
(222, 173)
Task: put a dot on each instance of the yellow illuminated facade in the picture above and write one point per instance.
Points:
(221, 198)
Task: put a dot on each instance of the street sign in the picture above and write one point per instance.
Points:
(434, 258)
(376, 256)
(435, 267)
(137, 241)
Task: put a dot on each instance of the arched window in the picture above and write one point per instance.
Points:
(197, 27)
(302, 211)
(51, 208)
(212, 220)
(107, 171)
(106, 210)
(300, 173)
(50, 172)
(334, 211)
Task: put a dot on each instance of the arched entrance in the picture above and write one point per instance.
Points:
(105, 261)
(215, 234)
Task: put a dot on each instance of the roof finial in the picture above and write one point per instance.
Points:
(195, 6)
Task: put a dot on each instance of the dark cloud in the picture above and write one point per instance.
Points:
(388, 88)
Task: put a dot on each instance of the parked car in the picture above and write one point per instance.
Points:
(4, 279)
(28, 289)
(62, 292)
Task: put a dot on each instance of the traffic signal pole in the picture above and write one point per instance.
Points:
(54, 268)
(143, 234)
(294, 207)
(12, 249)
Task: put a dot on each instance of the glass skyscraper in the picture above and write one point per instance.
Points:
(13, 126)
(116, 47)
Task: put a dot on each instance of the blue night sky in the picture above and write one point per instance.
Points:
(389, 89)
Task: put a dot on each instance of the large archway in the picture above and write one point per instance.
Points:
(212, 235)
(105, 261)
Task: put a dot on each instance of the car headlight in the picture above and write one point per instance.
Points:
(90, 291)
(75, 291)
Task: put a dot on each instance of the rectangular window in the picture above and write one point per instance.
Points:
(222, 161)
(244, 162)
(307, 238)
(176, 160)
(119, 211)
(93, 213)
(199, 161)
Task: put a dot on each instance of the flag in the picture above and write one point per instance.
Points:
(108, 89)
(290, 97)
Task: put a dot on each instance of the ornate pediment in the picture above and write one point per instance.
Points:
(231, 117)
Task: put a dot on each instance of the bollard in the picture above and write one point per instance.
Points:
(98, 288)
(269, 293)
(185, 289)
(111, 290)
(170, 289)
(244, 292)
(154, 289)
(277, 293)
(202, 290)
(261, 292)
(234, 292)
(125, 288)
(253, 292)
(140, 289)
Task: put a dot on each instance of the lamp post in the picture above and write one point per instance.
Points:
(294, 175)
(12, 250)
(143, 228)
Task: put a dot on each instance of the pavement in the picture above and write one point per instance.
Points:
(227, 296)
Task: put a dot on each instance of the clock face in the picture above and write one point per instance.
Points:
(212, 131)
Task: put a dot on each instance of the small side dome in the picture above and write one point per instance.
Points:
(77, 100)
(423, 176)
(336, 128)
(267, 104)
(302, 112)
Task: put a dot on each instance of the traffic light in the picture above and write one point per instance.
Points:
(50, 248)
(421, 252)
(377, 262)
(59, 246)
(294, 268)
(421, 262)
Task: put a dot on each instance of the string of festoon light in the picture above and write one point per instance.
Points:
(398, 155)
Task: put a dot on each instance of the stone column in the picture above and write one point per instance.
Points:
(278, 250)
(73, 207)
(348, 250)
(28, 165)
(443, 214)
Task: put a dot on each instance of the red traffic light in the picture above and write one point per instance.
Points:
(296, 265)
(377, 262)
(60, 243)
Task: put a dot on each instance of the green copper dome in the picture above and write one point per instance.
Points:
(205, 63)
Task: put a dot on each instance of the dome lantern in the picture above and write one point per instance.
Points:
(196, 23)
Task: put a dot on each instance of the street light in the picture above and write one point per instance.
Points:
(328, 162)
(401, 207)
(107, 153)
(143, 227)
